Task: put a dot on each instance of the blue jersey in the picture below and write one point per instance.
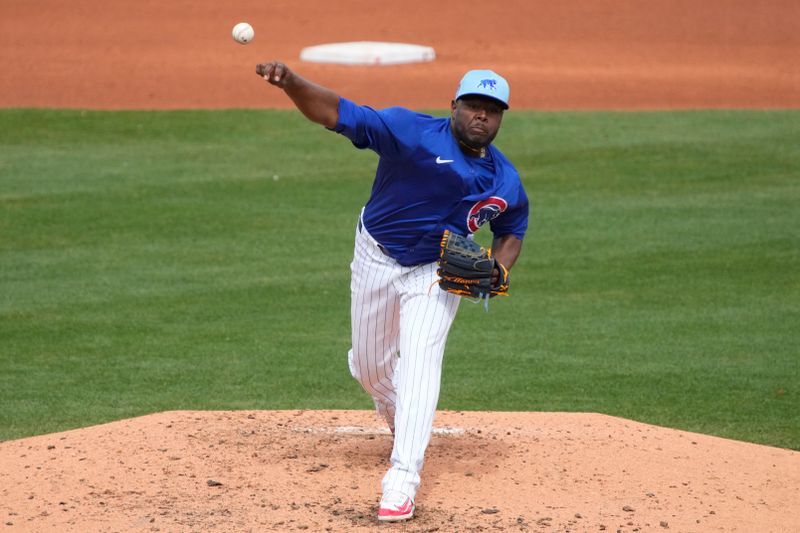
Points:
(425, 184)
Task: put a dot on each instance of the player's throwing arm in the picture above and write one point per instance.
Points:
(317, 103)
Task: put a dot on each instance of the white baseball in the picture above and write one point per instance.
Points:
(243, 33)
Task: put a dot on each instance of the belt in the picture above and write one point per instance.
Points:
(381, 247)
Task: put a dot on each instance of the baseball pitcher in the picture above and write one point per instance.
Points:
(438, 181)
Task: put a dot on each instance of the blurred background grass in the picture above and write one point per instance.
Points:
(152, 261)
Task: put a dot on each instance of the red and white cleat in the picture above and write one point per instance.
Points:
(395, 507)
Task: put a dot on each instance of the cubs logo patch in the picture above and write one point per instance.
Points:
(484, 211)
(488, 84)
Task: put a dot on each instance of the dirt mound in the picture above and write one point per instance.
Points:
(321, 471)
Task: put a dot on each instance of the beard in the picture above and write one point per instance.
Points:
(473, 137)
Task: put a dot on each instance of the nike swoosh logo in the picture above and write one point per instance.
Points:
(440, 161)
(406, 506)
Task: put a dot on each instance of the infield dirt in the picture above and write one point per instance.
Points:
(556, 55)
(320, 471)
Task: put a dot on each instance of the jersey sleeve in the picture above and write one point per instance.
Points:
(515, 220)
(382, 131)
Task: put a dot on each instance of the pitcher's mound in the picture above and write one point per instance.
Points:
(321, 471)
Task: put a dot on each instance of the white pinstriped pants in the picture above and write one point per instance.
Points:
(399, 309)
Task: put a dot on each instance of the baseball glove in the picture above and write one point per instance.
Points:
(466, 268)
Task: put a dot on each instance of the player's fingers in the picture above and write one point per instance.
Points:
(275, 72)
(278, 73)
(262, 69)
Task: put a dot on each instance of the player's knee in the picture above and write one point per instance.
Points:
(353, 364)
(358, 367)
(372, 382)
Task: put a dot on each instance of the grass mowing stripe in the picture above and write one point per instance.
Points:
(199, 260)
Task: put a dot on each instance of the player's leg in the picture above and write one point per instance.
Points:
(427, 313)
(375, 313)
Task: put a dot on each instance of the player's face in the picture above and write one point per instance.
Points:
(476, 120)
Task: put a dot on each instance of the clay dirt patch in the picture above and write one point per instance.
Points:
(582, 54)
(321, 471)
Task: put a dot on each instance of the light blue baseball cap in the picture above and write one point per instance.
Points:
(484, 83)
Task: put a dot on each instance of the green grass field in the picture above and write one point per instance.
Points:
(153, 261)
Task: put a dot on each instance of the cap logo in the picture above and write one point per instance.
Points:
(488, 84)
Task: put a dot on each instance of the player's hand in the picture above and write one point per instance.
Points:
(499, 276)
(274, 72)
